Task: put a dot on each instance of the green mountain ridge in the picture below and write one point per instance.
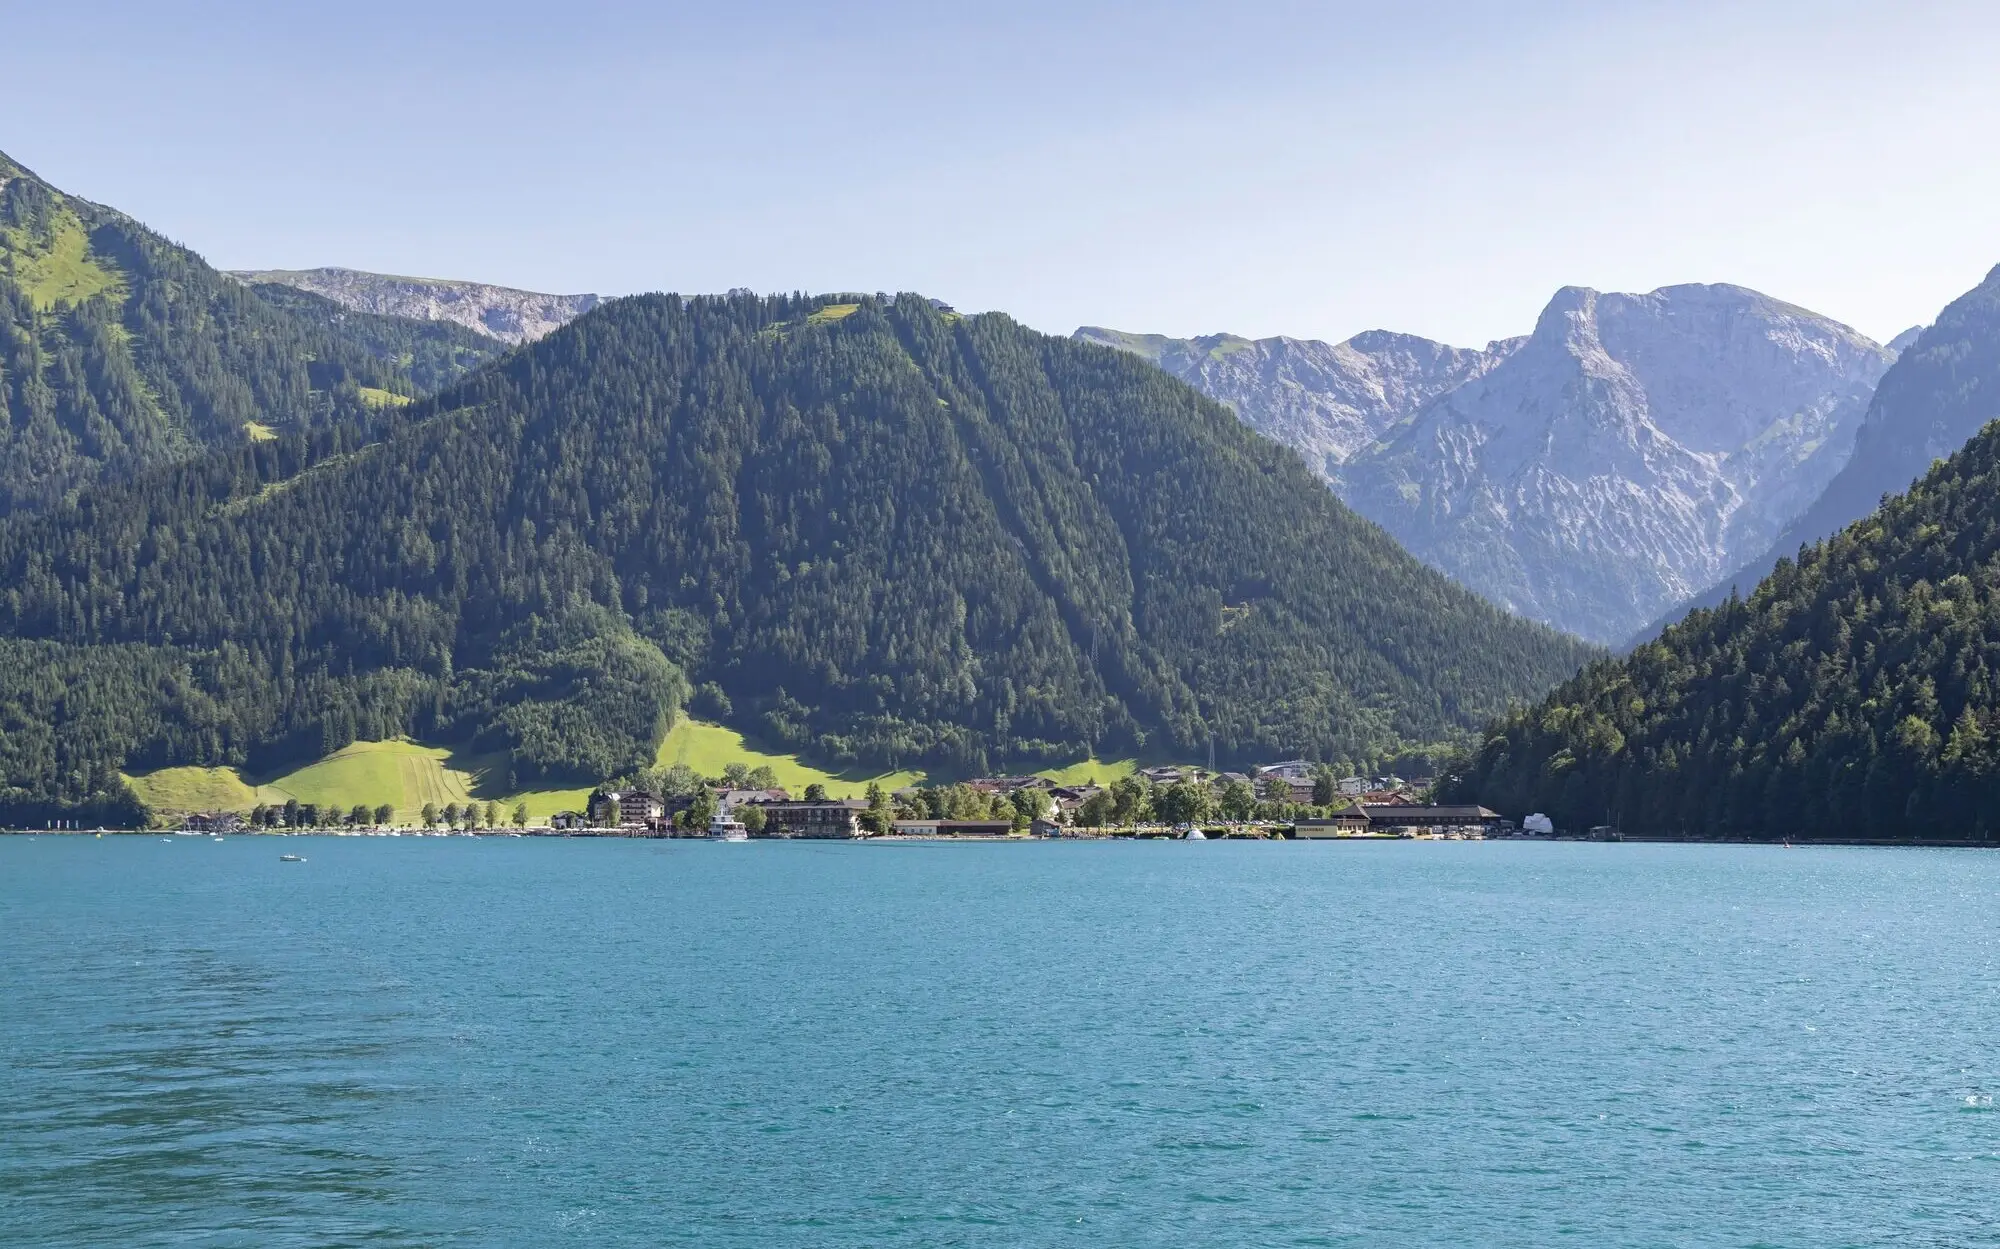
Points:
(1855, 693)
(121, 352)
(889, 535)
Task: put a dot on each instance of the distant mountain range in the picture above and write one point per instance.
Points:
(1943, 390)
(1853, 692)
(511, 316)
(1592, 474)
(1327, 400)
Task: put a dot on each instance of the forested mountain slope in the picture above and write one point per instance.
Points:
(1944, 386)
(878, 531)
(120, 351)
(431, 354)
(1855, 693)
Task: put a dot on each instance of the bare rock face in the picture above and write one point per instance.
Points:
(1327, 400)
(514, 317)
(1633, 450)
(1621, 458)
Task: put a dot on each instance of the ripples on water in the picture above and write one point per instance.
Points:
(520, 1042)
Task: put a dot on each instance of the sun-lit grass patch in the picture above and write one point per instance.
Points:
(198, 789)
(1099, 771)
(376, 397)
(59, 269)
(709, 748)
(407, 774)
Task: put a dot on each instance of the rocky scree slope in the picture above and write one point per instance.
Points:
(1631, 450)
(1944, 387)
(1325, 400)
(512, 316)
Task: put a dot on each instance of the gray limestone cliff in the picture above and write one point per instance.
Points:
(1327, 400)
(1618, 460)
(512, 316)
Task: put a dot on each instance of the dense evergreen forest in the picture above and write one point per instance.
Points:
(870, 528)
(120, 351)
(1854, 694)
(430, 355)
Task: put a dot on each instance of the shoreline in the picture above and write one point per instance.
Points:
(1931, 843)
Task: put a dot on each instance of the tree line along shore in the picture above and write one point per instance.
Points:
(1293, 798)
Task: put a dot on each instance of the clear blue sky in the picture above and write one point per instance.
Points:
(1309, 169)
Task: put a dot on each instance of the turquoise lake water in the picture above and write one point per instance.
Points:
(524, 1042)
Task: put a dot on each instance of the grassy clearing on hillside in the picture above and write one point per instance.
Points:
(376, 397)
(199, 789)
(832, 312)
(709, 748)
(1101, 771)
(60, 270)
(543, 803)
(407, 774)
(404, 774)
(259, 431)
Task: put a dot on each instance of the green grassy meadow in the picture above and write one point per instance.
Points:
(376, 397)
(60, 269)
(709, 748)
(404, 774)
(407, 774)
(1099, 771)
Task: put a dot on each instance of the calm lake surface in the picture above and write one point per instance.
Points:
(525, 1042)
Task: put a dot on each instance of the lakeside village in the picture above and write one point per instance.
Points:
(1294, 799)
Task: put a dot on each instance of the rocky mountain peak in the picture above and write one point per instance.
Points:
(1629, 450)
(1943, 389)
(1328, 400)
(1637, 446)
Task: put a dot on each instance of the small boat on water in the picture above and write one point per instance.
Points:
(721, 828)
(1194, 834)
(291, 858)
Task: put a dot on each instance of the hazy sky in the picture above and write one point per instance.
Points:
(1307, 169)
